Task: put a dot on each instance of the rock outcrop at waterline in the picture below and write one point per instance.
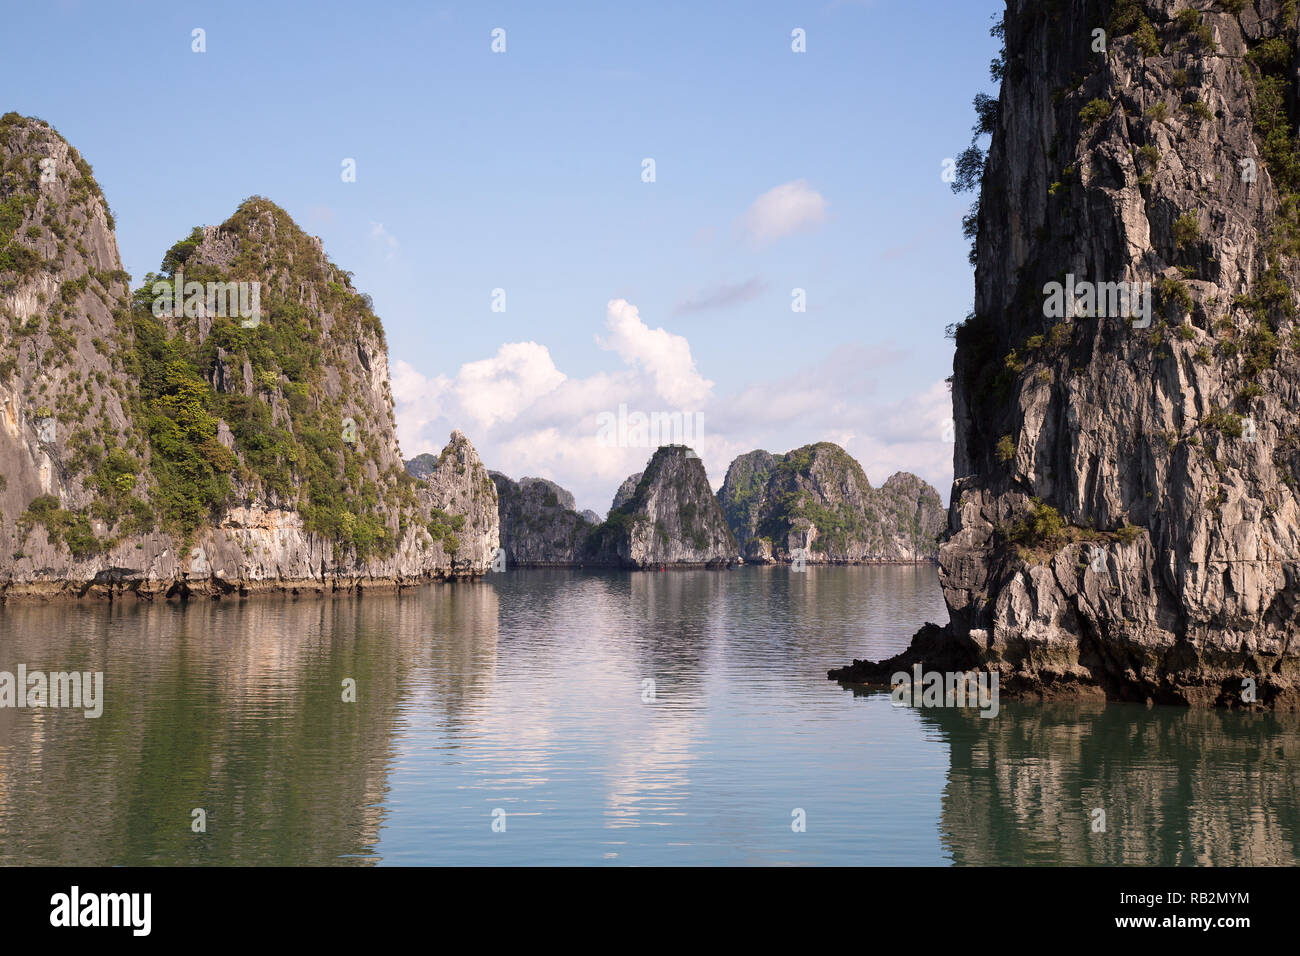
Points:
(1124, 516)
(671, 518)
(540, 524)
(168, 447)
(817, 500)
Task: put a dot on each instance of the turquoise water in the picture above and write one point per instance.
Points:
(522, 701)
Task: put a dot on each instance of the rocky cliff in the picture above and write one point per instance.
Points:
(671, 518)
(228, 427)
(70, 454)
(540, 526)
(818, 499)
(1124, 517)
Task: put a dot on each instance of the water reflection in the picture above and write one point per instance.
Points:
(1178, 787)
(234, 708)
(527, 693)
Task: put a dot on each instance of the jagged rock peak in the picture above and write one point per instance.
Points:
(741, 494)
(671, 518)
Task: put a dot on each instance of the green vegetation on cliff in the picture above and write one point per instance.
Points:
(286, 438)
(793, 502)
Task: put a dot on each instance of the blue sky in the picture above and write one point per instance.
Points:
(522, 171)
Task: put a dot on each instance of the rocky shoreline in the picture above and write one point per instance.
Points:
(127, 585)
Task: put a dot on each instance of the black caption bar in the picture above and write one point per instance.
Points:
(335, 905)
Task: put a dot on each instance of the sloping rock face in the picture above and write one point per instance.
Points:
(191, 441)
(742, 493)
(539, 524)
(625, 491)
(817, 498)
(672, 518)
(1124, 517)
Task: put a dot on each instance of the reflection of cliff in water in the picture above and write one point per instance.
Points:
(234, 708)
(1178, 787)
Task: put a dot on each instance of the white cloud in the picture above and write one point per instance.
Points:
(789, 208)
(665, 356)
(526, 417)
(421, 400)
(497, 389)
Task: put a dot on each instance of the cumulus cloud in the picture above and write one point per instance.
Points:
(498, 388)
(527, 417)
(789, 208)
(666, 357)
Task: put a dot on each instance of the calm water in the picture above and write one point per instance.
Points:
(523, 693)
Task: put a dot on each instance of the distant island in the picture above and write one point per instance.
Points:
(813, 504)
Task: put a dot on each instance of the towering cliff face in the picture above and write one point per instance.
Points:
(1124, 516)
(229, 427)
(540, 526)
(671, 518)
(817, 499)
(70, 456)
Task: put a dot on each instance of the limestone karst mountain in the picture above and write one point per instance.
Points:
(540, 526)
(1124, 518)
(670, 518)
(227, 427)
(817, 499)
(69, 452)
(912, 516)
